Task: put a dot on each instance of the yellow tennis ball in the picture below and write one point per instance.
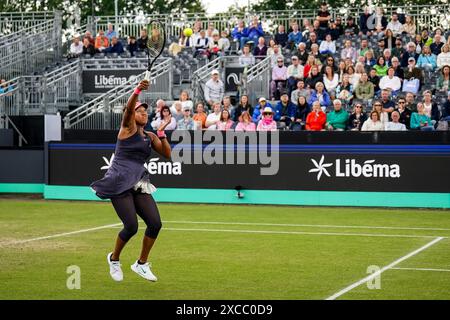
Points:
(188, 32)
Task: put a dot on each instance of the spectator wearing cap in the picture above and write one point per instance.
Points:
(116, 46)
(88, 48)
(76, 48)
(395, 124)
(294, 73)
(413, 72)
(338, 118)
(257, 112)
(281, 37)
(404, 112)
(261, 48)
(409, 53)
(357, 118)
(420, 120)
(328, 46)
(319, 94)
(164, 115)
(267, 123)
(316, 119)
(101, 41)
(279, 78)
(373, 123)
(246, 58)
(200, 116)
(295, 37)
(214, 88)
(186, 123)
(285, 110)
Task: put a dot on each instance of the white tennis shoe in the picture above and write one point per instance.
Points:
(144, 271)
(115, 269)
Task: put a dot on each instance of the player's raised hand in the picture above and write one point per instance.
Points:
(143, 85)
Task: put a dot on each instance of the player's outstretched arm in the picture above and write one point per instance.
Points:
(128, 116)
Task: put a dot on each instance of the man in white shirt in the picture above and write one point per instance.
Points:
(246, 58)
(294, 73)
(395, 125)
(76, 48)
(214, 88)
(390, 81)
(394, 25)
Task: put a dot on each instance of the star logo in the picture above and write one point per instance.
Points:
(108, 162)
(320, 167)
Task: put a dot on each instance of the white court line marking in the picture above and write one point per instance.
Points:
(60, 234)
(389, 266)
(306, 225)
(298, 232)
(422, 269)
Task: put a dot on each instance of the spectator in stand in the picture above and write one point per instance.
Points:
(398, 71)
(352, 26)
(443, 59)
(224, 42)
(306, 29)
(214, 117)
(202, 44)
(310, 62)
(420, 120)
(339, 25)
(320, 32)
(357, 118)
(413, 72)
(369, 60)
(394, 25)
(200, 116)
(312, 40)
(409, 27)
(4, 88)
(431, 107)
(383, 115)
(281, 37)
(404, 112)
(387, 57)
(301, 53)
(344, 91)
(426, 40)
(316, 119)
(88, 35)
(329, 61)
(246, 58)
(438, 31)
(319, 94)
(379, 48)
(338, 118)
(294, 73)
(386, 101)
(239, 32)
(225, 123)
(331, 81)
(243, 106)
(364, 48)
(295, 37)
(101, 41)
(380, 22)
(185, 100)
(214, 89)
(373, 123)
(436, 46)
(226, 105)
(76, 48)
(411, 103)
(116, 46)
(418, 43)
(301, 111)
(381, 67)
(254, 32)
(257, 112)
(375, 80)
(427, 60)
(328, 46)
(314, 77)
(348, 51)
(317, 55)
(300, 91)
(143, 38)
(261, 49)
(216, 47)
(446, 109)
(132, 46)
(274, 54)
(398, 50)
(365, 90)
(279, 78)
(365, 22)
(245, 123)
(186, 123)
(333, 30)
(111, 33)
(88, 48)
(196, 31)
(284, 110)
(156, 113)
(389, 39)
(359, 70)
(443, 82)
(177, 111)
(267, 123)
(395, 124)
(165, 115)
(323, 16)
(391, 82)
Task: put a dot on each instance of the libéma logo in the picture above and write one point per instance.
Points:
(154, 166)
(350, 168)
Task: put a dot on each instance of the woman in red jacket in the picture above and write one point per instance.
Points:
(316, 119)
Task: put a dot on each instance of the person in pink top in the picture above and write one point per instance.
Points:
(267, 123)
(245, 122)
(225, 123)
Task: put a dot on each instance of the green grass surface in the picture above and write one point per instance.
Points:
(225, 252)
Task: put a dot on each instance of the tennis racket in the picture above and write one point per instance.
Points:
(155, 44)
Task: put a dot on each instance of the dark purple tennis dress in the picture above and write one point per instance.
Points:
(127, 167)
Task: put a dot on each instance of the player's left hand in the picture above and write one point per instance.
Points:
(143, 85)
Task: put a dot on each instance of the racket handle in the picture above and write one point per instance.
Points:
(147, 75)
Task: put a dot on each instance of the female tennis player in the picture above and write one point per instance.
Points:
(127, 183)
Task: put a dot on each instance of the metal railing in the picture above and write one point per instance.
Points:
(256, 80)
(113, 63)
(105, 111)
(10, 97)
(6, 122)
(201, 76)
(11, 22)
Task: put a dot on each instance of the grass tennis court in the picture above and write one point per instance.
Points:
(226, 252)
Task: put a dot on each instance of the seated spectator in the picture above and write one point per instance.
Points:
(245, 122)
(409, 27)
(383, 114)
(443, 59)
(177, 111)
(375, 79)
(431, 107)
(436, 46)
(331, 81)
(4, 88)
(111, 33)
(301, 111)
(295, 37)
(246, 58)
(285, 110)
(398, 71)
(381, 67)
(344, 91)
(238, 32)
(320, 95)
(426, 39)
(301, 53)
(225, 123)
(216, 46)
(312, 40)
(310, 62)
(391, 82)
(364, 19)
(398, 50)
(348, 51)
(364, 48)
(443, 82)
(352, 77)
(387, 57)
(202, 44)
(338, 118)
(329, 61)
(142, 41)
(409, 53)
(279, 78)
(267, 123)
(101, 41)
(165, 116)
(394, 25)
(243, 105)
(257, 112)
(395, 124)
(404, 113)
(373, 123)
(116, 46)
(226, 105)
(254, 31)
(132, 45)
(294, 72)
(300, 91)
(389, 39)
(316, 119)
(427, 60)
(186, 123)
(214, 117)
(88, 35)
(420, 120)
(333, 30)
(446, 109)
(314, 77)
(386, 101)
(357, 118)
(224, 42)
(352, 26)
(327, 46)
(339, 25)
(317, 55)
(369, 61)
(156, 112)
(365, 90)
(76, 48)
(200, 116)
(411, 103)
(261, 48)
(281, 37)
(214, 88)
(380, 21)
(185, 100)
(413, 72)
(274, 53)
(88, 48)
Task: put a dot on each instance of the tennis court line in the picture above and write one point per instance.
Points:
(422, 269)
(379, 272)
(305, 225)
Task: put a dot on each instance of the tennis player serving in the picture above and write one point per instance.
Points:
(127, 183)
